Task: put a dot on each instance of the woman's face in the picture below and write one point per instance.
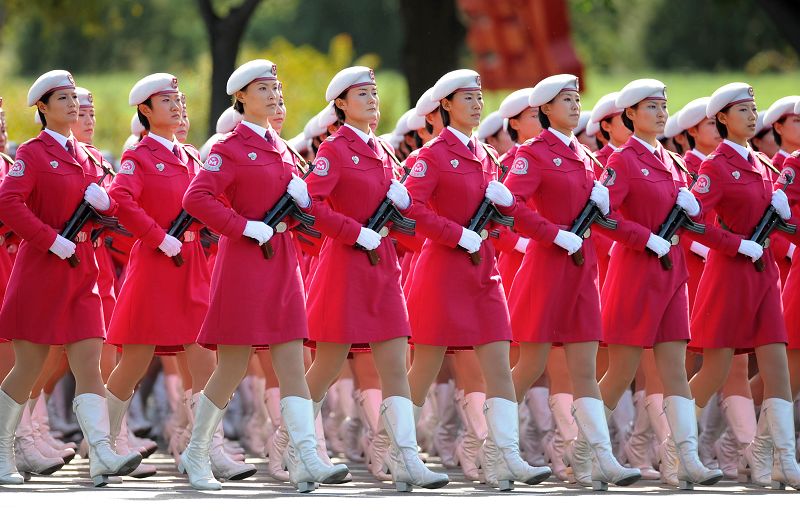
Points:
(740, 120)
(83, 128)
(465, 109)
(527, 124)
(276, 121)
(260, 99)
(649, 116)
(789, 129)
(164, 112)
(564, 111)
(61, 108)
(706, 134)
(360, 105)
(183, 128)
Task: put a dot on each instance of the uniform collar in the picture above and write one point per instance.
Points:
(366, 137)
(58, 137)
(783, 153)
(463, 138)
(645, 144)
(611, 146)
(259, 130)
(567, 140)
(700, 155)
(744, 152)
(169, 144)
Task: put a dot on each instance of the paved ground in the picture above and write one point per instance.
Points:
(71, 489)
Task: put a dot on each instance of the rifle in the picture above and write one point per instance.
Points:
(82, 214)
(488, 212)
(286, 206)
(591, 214)
(178, 228)
(678, 218)
(770, 222)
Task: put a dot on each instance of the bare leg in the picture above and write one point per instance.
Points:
(390, 361)
(712, 374)
(29, 359)
(737, 384)
(623, 361)
(581, 357)
(669, 357)
(328, 361)
(469, 375)
(84, 360)
(530, 366)
(496, 371)
(558, 372)
(287, 361)
(131, 369)
(231, 368)
(774, 370)
(426, 365)
(50, 366)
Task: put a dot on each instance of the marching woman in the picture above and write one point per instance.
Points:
(454, 302)
(161, 305)
(646, 187)
(738, 309)
(791, 292)
(554, 300)
(351, 302)
(52, 175)
(255, 301)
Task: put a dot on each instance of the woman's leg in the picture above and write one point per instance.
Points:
(132, 367)
(712, 374)
(529, 367)
(623, 361)
(29, 358)
(328, 361)
(425, 367)
(581, 357)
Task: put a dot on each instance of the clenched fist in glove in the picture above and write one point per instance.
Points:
(299, 191)
(659, 245)
(259, 231)
(781, 204)
(97, 197)
(470, 240)
(170, 246)
(368, 239)
(687, 201)
(62, 247)
(499, 194)
(398, 194)
(751, 249)
(569, 241)
(600, 197)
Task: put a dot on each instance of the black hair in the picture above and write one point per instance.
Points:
(429, 126)
(339, 112)
(689, 139)
(600, 143)
(723, 130)
(543, 119)
(445, 114)
(417, 139)
(678, 146)
(44, 99)
(627, 120)
(141, 116)
(604, 131)
(514, 134)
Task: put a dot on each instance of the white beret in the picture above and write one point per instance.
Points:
(348, 78)
(258, 70)
(729, 95)
(415, 122)
(760, 124)
(426, 104)
(327, 116)
(778, 109)
(544, 91)
(49, 82)
(151, 85)
(401, 128)
(137, 128)
(671, 127)
(639, 90)
(228, 120)
(592, 128)
(131, 141)
(490, 125)
(454, 81)
(583, 121)
(206, 148)
(796, 106)
(692, 114)
(85, 98)
(312, 128)
(515, 103)
(605, 108)
(299, 142)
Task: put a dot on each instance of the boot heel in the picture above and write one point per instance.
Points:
(100, 481)
(402, 487)
(306, 486)
(181, 468)
(778, 485)
(685, 485)
(505, 485)
(599, 486)
(26, 476)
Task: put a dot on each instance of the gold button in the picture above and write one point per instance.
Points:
(281, 227)
(384, 231)
(675, 239)
(484, 234)
(587, 233)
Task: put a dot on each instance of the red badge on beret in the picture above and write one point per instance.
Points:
(71, 79)
(174, 82)
(478, 80)
(750, 91)
(90, 98)
(274, 69)
(372, 75)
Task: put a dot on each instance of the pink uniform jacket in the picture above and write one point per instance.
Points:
(5, 258)
(47, 301)
(552, 300)
(791, 290)
(349, 300)
(451, 301)
(736, 306)
(642, 304)
(254, 301)
(160, 303)
(508, 259)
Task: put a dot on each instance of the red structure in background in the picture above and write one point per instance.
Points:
(516, 43)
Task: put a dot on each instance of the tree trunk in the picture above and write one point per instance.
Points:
(433, 37)
(225, 36)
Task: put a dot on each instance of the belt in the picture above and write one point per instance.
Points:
(189, 236)
(725, 227)
(82, 237)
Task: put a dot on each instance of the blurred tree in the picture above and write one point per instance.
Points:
(224, 36)
(786, 16)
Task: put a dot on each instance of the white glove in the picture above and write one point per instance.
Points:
(368, 239)
(790, 253)
(97, 197)
(62, 247)
(298, 189)
(658, 245)
(781, 204)
(470, 240)
(699, 249)
(600, 197)
(751, 249)
(170, 246)
(499, 194)
(687, 201)
(398, 194)
(522, 244)
(569, 241)
(259, 231)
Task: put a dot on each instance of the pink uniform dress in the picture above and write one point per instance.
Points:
(47, 301)
(736, 306)
(349, 300)
(694, 262)
(643, 304)
(5, 258)
(553, 300)
(254, 301)
(452, 302)
(791, 289)
(160, 304)
(508, 258)
(602, 243)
